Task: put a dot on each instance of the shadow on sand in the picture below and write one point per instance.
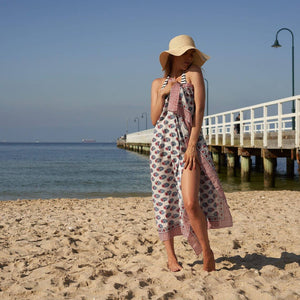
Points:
(255, 261)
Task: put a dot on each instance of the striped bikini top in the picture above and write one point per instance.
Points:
(183, 80)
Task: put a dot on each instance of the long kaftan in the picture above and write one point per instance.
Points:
(169, 143)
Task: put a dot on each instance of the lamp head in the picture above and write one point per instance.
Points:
(276, 44)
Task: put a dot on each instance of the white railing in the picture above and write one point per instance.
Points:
(261, 119)
(257, 121)
(143, 137)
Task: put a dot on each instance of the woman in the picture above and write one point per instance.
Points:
(187, 195)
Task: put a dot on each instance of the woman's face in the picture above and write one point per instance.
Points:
(185, 60)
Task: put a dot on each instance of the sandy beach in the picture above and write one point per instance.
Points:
(109, 249)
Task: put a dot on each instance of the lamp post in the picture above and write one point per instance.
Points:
(277, 45)
(137, 118)
(127, 126)
(206, 104)
(206, 96)
(142, 116)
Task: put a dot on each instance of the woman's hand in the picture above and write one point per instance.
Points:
(191, 158)
(167, 89)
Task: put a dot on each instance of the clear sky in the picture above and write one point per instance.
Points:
(73, 69)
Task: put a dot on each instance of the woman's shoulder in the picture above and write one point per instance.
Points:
(194, 74)
(158, 82)
(194, 69)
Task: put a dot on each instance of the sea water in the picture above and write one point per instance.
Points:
(92, 170)
(73, 170)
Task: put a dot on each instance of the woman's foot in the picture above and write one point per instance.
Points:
(174, 266)
(209, 261)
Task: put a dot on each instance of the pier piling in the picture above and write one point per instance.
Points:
(216, 156)
(270, 162)
(232, 160)
(245, 168)
(231, 164)
(269, 172)
(245, 163)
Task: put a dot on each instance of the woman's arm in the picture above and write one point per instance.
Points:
(157, 100)
(196, 78)
(158, 96)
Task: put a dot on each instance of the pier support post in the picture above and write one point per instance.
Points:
(216, 153)
(269, 172)
(146, 150)
(143, 148)
(298, 160)
(245, 168)
(289, 167)
(231, 158)
(245, 163)
(269, 167)
(216, 159)
(231, 153)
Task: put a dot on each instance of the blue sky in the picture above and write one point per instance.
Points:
(80, 69)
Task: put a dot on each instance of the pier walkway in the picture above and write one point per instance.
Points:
(266, 131)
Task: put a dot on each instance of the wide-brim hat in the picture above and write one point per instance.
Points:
(178, 46)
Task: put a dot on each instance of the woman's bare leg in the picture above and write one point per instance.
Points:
(190, 184)
(173, 264)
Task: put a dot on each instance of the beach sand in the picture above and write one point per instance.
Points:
(109, 249)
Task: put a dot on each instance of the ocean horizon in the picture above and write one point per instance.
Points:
(44, 170)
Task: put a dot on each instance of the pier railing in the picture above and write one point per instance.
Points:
(140, 137)
(268, 125)
(266, 131)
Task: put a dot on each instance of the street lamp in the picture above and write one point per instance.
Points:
(127, 126)
(137, 118)
(206, 104)
(277, 45)
(142, 116)
(206, 96)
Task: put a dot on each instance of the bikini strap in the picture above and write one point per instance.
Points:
(183, 78)
(165, 82)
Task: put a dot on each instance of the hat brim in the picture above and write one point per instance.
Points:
(199, 57)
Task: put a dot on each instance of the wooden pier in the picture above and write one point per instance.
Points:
(266, 131)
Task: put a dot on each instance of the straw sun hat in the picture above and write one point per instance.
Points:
(178, 46)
